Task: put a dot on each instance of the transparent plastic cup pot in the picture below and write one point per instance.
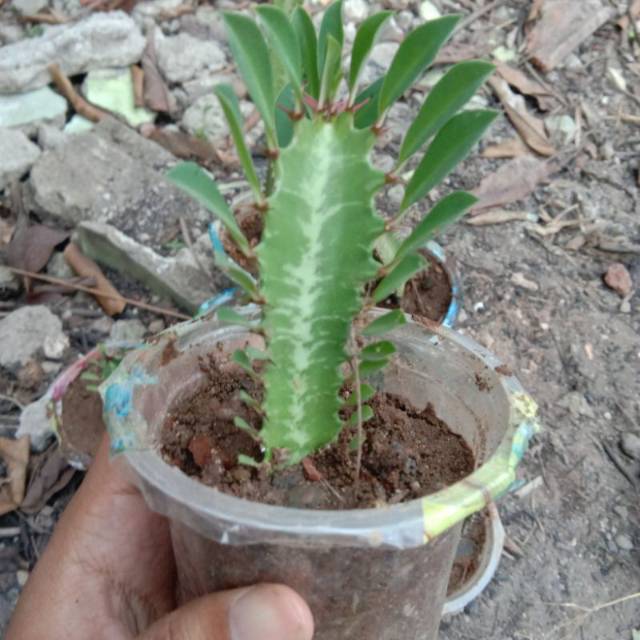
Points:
(370, 574)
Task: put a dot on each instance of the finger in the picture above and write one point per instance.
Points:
(265, 612)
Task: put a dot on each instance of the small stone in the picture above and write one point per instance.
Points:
(57, 267)
(35, 422)
(630, 444)
(30, 375)
(24, 331)
(618, 278)
(22, 577)
(625, 306)
(355, 10)
(17, 155)
(112, 89)
(520, 280)
(78, 124)
(127, 331)
(561, 128)
(156, 326)
(429, 11)
(182, 57)
(9, 283)
(621, 511)
(50, 137)
(102, 325)
(577, 405)
(10, 33)
(27, 111)
(396, 195)
(624, 542)
(29, 7)
(55, 346)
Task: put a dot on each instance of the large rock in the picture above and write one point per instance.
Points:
(178, 278)
(27, 111)
(109, 175)
(17, 154)
(101, 40)
(182, 57)
(25, 332)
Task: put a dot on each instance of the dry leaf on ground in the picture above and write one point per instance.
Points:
(156, 93)
(181, 144)
(524, 84)
(87, 268)
(50, 472)
(530, 128)
(32, 245)
(513, 181)
(562, 27)
(500, 216)
(511, 148)
(6, 232)
(15, 454)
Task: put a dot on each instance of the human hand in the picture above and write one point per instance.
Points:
(108, 573)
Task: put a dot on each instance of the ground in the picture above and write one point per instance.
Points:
(534, 294)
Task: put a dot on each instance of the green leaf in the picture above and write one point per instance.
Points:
(416, 53)
(231, 108)
(248, 461)
(378, 351)
(449, 95)
(288, 5)
(366, 393)
(241, 358)
(241, 423)
(251, 54)
(364, 42)
(367, 115)
(192, 179)
(451, 145)
(444, 213)
(331, 26)
(372, 366)
(256, 354)
(313, 267)
(367, 414)
(308, 42)
(284, 42)
(227, 315)
(407, 267)
(332, 64)
(88, 375)
(284, 126)
(387, 322)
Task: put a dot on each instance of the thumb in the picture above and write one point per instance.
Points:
(264, 612)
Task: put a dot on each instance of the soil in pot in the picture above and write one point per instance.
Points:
(427, 294)
(407, 453)
(81, 426)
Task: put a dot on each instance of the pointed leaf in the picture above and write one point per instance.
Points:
(284, 42)
(450, 146)
(408, 266)
(242, 359)
(367, 115)
(284, 125)
(378, 351)
(366, 393)
(248, 461)
(308, 42)
(241, 277)
(416, 53)
(256, 354)
(387, 322)
(367, 414)
(251, 54)
(242, 424)
(365, 40)
(248, 400)
(449, 95)
(331, 26)
(231, 108)
(372, 366)
(192, 179)
(445, 212)
(331, 72)
(227, 315)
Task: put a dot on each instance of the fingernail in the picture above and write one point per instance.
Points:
(269, 613)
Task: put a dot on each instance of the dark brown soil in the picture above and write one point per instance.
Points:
(251, 222)
(427, 295)
(406, 454)
(81, 428)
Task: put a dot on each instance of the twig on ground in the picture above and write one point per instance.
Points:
(6, 398)
(44, 18)
(479, 13)
(79, 104)
(102, 294)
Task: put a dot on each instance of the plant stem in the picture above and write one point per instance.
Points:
(356, 376)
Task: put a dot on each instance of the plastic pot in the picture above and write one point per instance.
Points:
(374, 574)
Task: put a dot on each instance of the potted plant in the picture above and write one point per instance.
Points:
(313, 438)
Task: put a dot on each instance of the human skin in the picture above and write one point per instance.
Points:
(108, 573)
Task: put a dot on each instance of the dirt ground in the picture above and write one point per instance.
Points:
(534, 294)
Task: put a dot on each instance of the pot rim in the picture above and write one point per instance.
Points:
(401, 525)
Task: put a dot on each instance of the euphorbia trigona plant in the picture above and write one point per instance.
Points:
(318, 279)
